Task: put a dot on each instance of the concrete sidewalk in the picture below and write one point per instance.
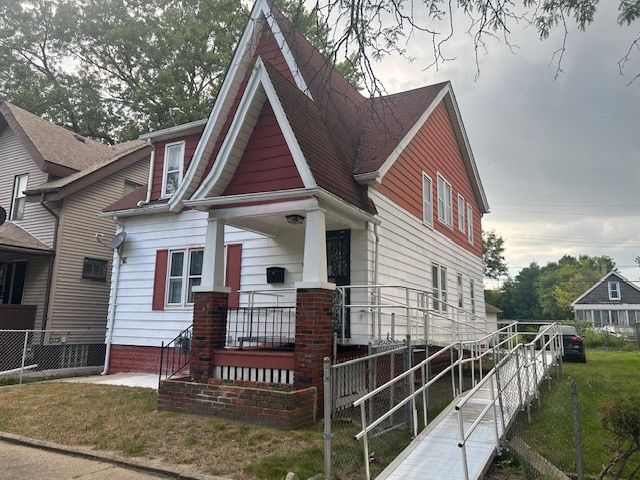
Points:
(144, 380)
(22, 462)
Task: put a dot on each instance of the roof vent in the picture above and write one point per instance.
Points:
(80, 138)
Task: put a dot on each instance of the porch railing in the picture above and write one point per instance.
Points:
(175, 356)
(260, 328)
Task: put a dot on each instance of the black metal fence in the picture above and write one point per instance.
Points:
(175, 356)
(261, 328)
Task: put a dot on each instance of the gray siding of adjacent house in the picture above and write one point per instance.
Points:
(78, 302)
(15, 160)
(600, 294)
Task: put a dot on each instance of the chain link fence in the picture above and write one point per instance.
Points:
(586, 423)
(31, 355)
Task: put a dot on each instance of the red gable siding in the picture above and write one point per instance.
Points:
(191, 142)
(267, 164)
(269, 50)
(433, 150)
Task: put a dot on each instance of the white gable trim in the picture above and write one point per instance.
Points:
(259, 78)
(237, 68)
(286, 51)
(446, 90)
(411, 133)
(599, 282)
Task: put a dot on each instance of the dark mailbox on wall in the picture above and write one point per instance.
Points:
(275, 275)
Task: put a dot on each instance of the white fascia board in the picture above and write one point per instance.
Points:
(205, 203)
(287, 131)
(259, 78)
(368, 178)
(244, 45)
(132, 212)
(253, 211)
(345, 207)
(608, 306)
(474, 168)
(411, 133)
(173, 131)
(286, 51)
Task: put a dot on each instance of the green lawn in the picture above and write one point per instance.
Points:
(606, 375)
(125, 421)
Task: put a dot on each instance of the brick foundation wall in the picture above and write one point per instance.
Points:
(245, 401)
(130, 358)
(314, 337)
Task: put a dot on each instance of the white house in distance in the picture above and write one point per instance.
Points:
(613, 302)
(295, 169)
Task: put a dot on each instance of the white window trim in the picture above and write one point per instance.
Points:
(617, 289)
(180, 167)
(186, 263)
(472, 295)
(461, 213)
(17, 194)
(460, 290)
(443, 295)
(470, 223)
(424, 221)
(444, 221)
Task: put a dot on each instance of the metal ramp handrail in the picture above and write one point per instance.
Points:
(509, 334)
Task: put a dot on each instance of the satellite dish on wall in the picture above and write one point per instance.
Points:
(3, 215)
(118, 240)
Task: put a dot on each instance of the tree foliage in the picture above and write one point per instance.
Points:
(111, 69)
(546, 293)
(621, 417)
(495, 265)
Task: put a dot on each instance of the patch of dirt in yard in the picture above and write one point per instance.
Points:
(125, 421)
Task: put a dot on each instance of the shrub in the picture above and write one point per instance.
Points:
(621, 417)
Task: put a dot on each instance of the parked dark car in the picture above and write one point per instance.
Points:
(573, 344)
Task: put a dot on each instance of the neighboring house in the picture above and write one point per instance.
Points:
(53, 272)
(612, 303)
(492, 316)
(295, 169)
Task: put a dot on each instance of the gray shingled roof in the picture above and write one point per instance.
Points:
(14, 237)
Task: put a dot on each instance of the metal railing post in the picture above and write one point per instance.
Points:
(535, 373)
(327, 417)
(460, 358)
(408, 310)
(453, 374)
(378, 300)
(462, 444)
(24, 354)
(521, 405)
(161, 358)
(393, 326)
(499, 391)
(365, 441)
(495, 415)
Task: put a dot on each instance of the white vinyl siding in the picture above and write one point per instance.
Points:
(461, 204)
(427, 200)
(173, 167)
(18, 200)
(469, 223)
(445, 202)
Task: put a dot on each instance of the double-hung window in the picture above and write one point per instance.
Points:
(427, 200)
(469, 223)
(614, 290)
(439, 285)
(445, 202)
(461, 223)
(173, 167)
(184, 273)
(18, 199)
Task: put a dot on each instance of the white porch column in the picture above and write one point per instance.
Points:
(314, 268)
(213, 257)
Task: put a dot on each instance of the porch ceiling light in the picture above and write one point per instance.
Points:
(295, 219)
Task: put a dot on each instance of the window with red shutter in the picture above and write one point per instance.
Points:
(160, 280)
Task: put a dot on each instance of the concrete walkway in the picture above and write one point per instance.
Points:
(22, 462)
(144, 380)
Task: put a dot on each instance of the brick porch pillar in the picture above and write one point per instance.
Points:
(314, 337)
(209, 330)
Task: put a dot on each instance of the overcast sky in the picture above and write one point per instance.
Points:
(559, 159)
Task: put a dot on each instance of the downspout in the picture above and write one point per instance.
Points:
(111, 320)
(47, 293)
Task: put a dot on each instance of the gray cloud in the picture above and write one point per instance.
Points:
(559, 159)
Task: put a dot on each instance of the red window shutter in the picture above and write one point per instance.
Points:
(234, 261)
(160, 280)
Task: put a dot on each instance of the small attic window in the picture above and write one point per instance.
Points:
(173, 167)
(614, 290)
